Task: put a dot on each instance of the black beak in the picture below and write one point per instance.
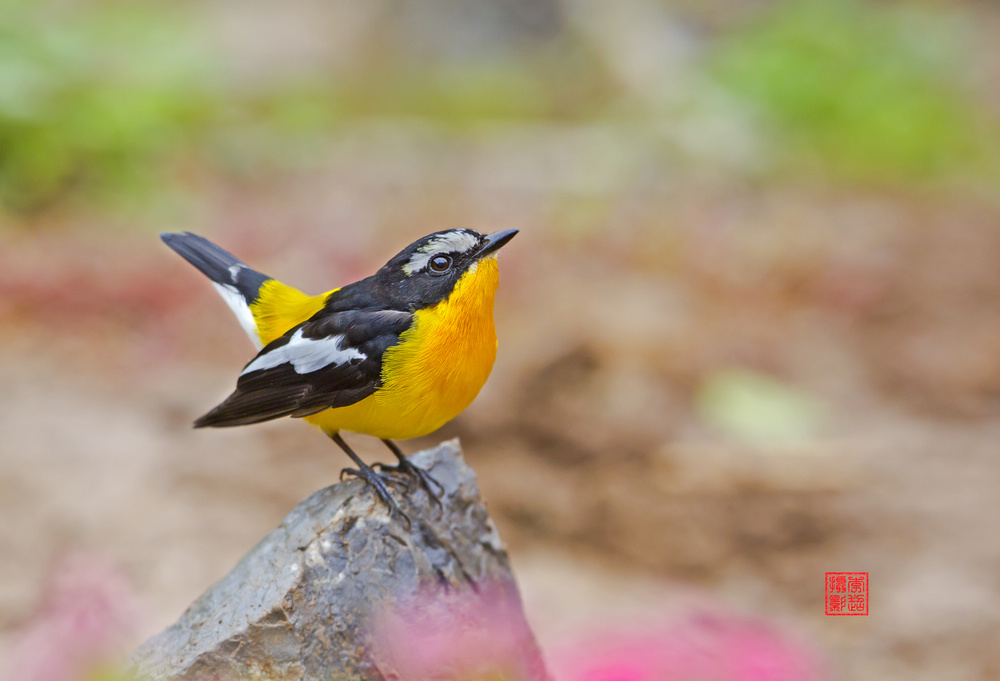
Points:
(495, 242)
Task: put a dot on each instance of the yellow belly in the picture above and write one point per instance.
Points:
(437, 369)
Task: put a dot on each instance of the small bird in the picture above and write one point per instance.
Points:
(395, 355)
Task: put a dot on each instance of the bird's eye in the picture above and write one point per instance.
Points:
(440, 263)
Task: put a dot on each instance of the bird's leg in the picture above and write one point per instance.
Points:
(405, 465)
(365, 472)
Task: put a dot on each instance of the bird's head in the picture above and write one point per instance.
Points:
(429, 270)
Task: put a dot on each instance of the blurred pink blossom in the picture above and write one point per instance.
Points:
(458, 634)
(695, 649)
(83, 622)
(474, 636)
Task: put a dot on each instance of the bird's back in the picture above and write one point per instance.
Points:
(280, 307)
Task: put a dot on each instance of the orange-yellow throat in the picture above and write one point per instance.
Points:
(437, 369)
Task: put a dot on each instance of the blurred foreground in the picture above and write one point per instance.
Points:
(748, 333)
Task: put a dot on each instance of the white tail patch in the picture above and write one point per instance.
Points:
(238, 304)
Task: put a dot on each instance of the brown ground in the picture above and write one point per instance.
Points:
(640, 275)
(614, 497)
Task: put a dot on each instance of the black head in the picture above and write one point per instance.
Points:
(426, 271)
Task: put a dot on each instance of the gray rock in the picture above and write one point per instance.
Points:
(325, 594)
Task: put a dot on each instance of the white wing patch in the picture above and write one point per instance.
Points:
(306, 354)
(238, 304)
(455, 241)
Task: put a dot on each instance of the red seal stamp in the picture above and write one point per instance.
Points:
(846, 593)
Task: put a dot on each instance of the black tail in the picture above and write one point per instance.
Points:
(219, 265)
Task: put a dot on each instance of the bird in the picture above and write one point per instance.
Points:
(395, 355)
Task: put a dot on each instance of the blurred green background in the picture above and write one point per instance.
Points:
(112, 101)
(748, 332)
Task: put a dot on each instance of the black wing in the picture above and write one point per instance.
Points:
(331, 360)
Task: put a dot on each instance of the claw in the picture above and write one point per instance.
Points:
(374, 480)
(381, 489)
(424, 479)
(418, 478)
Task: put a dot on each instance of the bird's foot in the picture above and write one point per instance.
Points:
(365, 472)
(417, 474)
(423, 478)
(378, 483)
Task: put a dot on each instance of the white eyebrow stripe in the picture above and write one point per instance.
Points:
(306, 354)
(455, 241)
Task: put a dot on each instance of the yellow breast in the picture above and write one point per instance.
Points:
(437, 369)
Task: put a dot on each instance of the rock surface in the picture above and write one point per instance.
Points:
(308, 601)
